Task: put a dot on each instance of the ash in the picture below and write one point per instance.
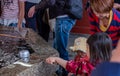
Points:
(9, 47)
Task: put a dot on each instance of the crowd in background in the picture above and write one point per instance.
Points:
(44, 16)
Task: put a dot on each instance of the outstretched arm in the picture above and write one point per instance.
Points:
(60, 61)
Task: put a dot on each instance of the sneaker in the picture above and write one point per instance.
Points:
(59, 72)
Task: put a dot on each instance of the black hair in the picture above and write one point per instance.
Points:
(100, 47)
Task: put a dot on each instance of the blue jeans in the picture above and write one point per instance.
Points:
(15, 24)
(62, 31)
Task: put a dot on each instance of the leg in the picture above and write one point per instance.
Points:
(62, 30)
(43, 28)
(30, 22)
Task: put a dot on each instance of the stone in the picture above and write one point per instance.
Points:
(37, 58)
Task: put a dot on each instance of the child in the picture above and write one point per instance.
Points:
(81, 59)
(104, 18)
(12, 13)
(99, 50)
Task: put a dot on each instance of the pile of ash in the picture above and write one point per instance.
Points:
(10, 47)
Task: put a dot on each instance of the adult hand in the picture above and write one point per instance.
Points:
(116, 5)
(31, 11)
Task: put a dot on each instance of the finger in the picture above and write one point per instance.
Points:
(49, 61)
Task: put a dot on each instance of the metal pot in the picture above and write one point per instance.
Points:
(24, 55)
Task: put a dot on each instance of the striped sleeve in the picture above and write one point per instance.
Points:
(114, 29)
(93, 22)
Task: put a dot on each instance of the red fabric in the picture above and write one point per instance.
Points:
(80, 62)
(114, 28)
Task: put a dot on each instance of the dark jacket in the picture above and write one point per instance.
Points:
(117, 1)
(107, 69)
(56, 7)
(0, 9)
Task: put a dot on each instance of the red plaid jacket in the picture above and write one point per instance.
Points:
(79, 66)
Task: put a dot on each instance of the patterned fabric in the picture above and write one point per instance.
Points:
(113, 30)
(10, 10)
(79, 66)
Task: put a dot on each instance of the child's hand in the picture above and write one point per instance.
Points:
(51, 60)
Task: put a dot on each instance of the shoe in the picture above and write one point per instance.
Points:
(64, 73)
(59, 73)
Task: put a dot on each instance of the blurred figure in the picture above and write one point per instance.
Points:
(52, 23)
(31, 21)
(38, 21)
(98, 50)
(64, 24)
(111, 68)
(107, 69)
(43, 23)
(117, 4)
(12, 13)
(0, 9)
(104, 18)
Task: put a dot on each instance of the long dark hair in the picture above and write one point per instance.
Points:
(100, 46)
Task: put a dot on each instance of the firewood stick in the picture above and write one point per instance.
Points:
(11, 36)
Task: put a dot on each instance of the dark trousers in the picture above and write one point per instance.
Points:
(30, 22)
(36, 22)
(43, 27)
(0, 9)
